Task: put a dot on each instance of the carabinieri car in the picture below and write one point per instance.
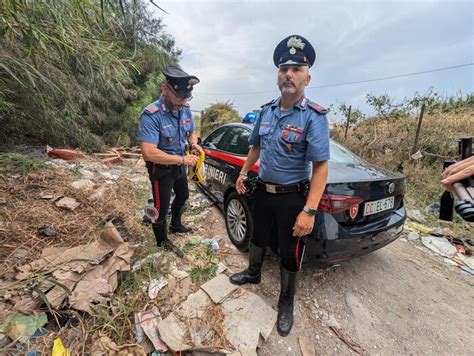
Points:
(361, 210)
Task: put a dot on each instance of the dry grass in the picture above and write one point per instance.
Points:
(388, 143)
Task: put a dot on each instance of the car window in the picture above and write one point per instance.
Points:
(341, 154)
(236, 141)
(213, 139)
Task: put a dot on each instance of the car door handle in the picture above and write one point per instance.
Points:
(230, 166)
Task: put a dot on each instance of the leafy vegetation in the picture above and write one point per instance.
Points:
(77, 72)
(216, 115)
(15, 163)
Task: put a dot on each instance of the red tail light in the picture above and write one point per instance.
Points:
(334, 204)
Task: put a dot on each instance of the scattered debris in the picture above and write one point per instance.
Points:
(82, 184)
(439, 245)
(416, 215)
(413, 236)
(417, 155)
(433, 208)
(85, 274)
(155, 286)
(410, 226)
(103, 346)
(21, 327)
(306, 346)
(355, 347)
(47, 231)
(147, 324)
(59, 349)
(211, 242)
(67, 203)
(64, 153)
(236, 322)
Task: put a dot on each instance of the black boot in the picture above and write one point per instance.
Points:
(161, 236)
(176, 226)
(253, 273)
(285, 303)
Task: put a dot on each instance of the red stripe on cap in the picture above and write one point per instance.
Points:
(238, 161)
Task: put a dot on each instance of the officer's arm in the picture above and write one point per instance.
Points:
(152, 154)
(318, 183)
(252, 158)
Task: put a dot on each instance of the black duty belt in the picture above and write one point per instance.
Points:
(279, 189)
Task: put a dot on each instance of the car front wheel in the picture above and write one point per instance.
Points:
(238, 221)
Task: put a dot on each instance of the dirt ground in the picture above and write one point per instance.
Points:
(401, 299)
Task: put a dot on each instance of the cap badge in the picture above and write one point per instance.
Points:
(293, 43)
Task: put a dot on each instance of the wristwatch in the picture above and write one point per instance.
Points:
(310, 211)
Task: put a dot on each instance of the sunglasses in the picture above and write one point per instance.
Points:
(189, 98)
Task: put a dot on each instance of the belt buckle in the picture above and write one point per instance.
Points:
(270, 188)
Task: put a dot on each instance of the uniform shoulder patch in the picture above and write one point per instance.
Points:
(269, 103)
(318, 108)
(152, 108)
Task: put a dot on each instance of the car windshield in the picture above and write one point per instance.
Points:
(340, 154)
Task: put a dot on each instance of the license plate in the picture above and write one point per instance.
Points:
(374, 207)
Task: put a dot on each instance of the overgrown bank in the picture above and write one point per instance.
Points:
(77, 73)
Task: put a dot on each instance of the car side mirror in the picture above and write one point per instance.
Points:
(199, 141)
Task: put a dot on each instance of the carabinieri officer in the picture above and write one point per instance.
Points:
(291, 139)
(166, 125)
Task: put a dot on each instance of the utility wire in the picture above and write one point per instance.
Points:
(355, 82)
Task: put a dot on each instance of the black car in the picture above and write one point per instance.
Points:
(361, 210)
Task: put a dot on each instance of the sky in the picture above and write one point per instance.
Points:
(229, 45)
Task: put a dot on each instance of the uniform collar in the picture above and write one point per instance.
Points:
(301, 104)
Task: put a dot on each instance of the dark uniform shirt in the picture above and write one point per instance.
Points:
(164, 128)
(290, 140)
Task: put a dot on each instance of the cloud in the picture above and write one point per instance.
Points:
(229, 46)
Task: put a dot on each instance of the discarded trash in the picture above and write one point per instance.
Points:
(104, 346)
(148, 323)
(86, 274)
(413, 235)
(211, 242)
(83, 184)
(236, 323)
(416, 215)
(417, 155)
(433, 208)
(68, 203)
(63, 153)
(417, 227)
(47, 231)
(306, 346)
(59, 349)
(467, 260)
(155, 286)
(151, 213)
(22, 326)
(439, 245)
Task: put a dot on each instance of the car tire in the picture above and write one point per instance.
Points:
(238, 221)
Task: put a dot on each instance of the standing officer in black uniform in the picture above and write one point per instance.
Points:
(166, 125)
(291, 139)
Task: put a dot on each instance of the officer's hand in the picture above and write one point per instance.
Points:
(239, 185)
(190, 160)
(304, 225)
(458, 171)
(197, 147)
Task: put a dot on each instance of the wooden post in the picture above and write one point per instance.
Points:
(418, 129)
(347, 123)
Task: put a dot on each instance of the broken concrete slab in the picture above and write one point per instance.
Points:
(219, 288)
(246, 319)
(68, 203)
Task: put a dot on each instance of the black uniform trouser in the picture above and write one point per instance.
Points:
(163, 180)
(278, 212)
